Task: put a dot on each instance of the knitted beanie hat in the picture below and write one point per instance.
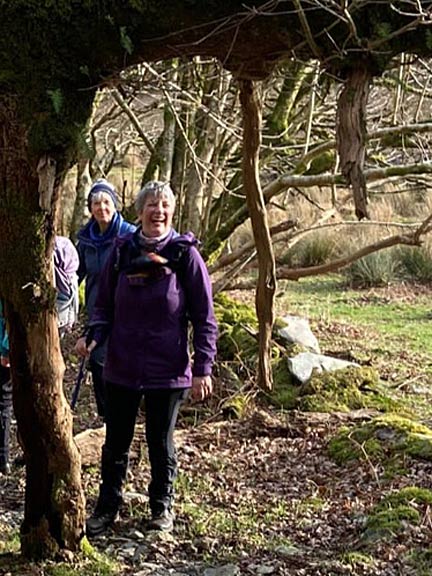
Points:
(102, 185)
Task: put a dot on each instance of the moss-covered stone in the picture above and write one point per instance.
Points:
(387, 523)
(382, 438)
(396, 511)
(350, 388)
(237, 324)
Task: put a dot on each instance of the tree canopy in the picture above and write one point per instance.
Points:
(55, 54)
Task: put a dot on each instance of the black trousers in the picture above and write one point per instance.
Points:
(161, 412)
(5, 413)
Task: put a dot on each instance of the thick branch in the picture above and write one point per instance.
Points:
(420, 128)
(351, 133)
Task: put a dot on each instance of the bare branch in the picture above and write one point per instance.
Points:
(129, 112)
(335, 265)
(307, 31)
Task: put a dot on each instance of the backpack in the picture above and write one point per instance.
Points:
(66, 262)
(67, 307)
(130, 259)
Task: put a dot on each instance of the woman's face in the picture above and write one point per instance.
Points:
(102, 209)
(156, 216)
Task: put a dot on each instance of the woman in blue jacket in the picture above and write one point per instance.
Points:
(95, 241)
(154, 283)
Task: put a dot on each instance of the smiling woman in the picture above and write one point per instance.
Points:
(154, 283)
(155, 206)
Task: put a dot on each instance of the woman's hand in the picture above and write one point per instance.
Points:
(4, 361)
(202, 386)
(82, 349)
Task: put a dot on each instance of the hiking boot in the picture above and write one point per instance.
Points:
(164, 521)
(99, 522)
(113, 473)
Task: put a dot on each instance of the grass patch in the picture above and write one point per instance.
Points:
(328, 300)
(376, 269)
(389, 329)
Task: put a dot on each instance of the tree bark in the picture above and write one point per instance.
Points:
(266, 287)
(83, 184)
(351, 133)
(54, 509)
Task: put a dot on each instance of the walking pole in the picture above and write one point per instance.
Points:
(79, 380)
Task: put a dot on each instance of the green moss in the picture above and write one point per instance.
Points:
(86, 548)
(407, 496)
(358, 559)
(421, 561)
(384, 437)
(390, 516)
(237, 323)
(340, 390)
(237, 406)
(285, 392)
(322, 163)
(214, 256)
(232, 311)
(387, 523)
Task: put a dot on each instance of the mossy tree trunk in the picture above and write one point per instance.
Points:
(54, 501)
(266, 287)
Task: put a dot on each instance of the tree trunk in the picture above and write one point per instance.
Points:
(251, 108)
(83, 184)
(168, 142)
(351, 133)
(54, 501)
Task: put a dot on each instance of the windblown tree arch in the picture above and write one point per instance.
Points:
(53, 57)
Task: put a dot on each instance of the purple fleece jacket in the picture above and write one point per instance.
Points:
(146, 320)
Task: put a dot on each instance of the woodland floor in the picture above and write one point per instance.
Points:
(256, 496)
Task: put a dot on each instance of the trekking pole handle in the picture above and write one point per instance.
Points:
(77, 387)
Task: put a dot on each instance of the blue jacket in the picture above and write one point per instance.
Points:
(93, 249)
(145, 312)
(4, 340)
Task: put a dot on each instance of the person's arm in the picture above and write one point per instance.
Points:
(199, 299)
(82, 270)
(99, 324)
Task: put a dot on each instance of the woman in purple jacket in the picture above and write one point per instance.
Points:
(154, 283)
